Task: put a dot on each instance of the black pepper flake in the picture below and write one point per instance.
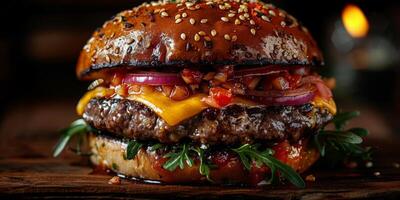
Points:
(208, 44)
(128, 25)
(101, 35)
(189, 46)
(123, 18)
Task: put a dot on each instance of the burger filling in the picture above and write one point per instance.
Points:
(177, 97)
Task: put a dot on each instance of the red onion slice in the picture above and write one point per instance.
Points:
(298, 96)
(153, 78)
(287, 100)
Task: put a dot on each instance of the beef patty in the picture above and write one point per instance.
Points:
(232, 124)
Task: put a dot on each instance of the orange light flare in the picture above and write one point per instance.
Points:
(354, 21)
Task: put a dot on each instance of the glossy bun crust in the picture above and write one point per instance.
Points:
(108, 153)
(198, 33)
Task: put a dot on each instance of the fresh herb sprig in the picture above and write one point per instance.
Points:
(77, 128)
(178, 158)
(339, 144)
(132, 149)
(249, 153)
(204, 167)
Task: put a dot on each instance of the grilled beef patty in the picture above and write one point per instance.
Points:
(233, 124)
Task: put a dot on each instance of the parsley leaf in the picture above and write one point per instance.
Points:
(249, 153)
(204, 168)
(337, 145)
(178, 158)
(132, 149)
(77, 128)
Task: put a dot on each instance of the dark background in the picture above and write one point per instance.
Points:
(40, 41)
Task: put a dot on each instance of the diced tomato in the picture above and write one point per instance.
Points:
(294, 80)
(282, 151)
(281, 83)
(257, 174)
(221, 96)
(117, 79)
(191, 76)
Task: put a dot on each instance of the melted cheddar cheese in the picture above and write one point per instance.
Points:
(323, 103)
(174, 112)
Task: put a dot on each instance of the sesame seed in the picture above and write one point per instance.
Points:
(240, 10)
(232, 11)
(237, 21)
(108, 58)
(188, 4)
(196, 37)
(177, 16)
(156, 11)
(184, 15)
(202, 33)
(164, 14)
(130, 41)
(207, 38)
(222, 7)
(234, 38)
(162, 10)
(231, 14)
(253, 31)
(192, 21)
(183, 36)
(203, 21)
(377, 173)
(210, 3)
(271, 12)
(283, 23)
(227, 37)
(112, 34)
(265, 18)
(178, 21)
(241, 17)
(224, 19)
(252, 22)
(246, 15)
(213, 32)
(197, 6)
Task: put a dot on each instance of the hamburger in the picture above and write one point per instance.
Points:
(225, 92)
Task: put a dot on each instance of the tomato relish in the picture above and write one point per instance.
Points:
(270, 85)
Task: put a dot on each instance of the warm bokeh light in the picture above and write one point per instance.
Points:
(355, 21)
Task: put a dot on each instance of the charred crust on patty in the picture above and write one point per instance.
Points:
(230, 125)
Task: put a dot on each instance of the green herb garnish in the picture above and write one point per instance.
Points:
(77, 128)
(204, 168)
(132, 149)
(249, 153)
(339, 144)
(178, 158)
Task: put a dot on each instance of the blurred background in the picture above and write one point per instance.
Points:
(40, 41)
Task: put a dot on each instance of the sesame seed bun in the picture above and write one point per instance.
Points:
(108, 152)
(205, 33)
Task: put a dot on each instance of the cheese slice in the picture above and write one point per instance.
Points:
(171, 111)
(97, 92)
(323, 103)
(174, 112)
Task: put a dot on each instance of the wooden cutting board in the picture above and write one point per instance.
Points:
(31, 173)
